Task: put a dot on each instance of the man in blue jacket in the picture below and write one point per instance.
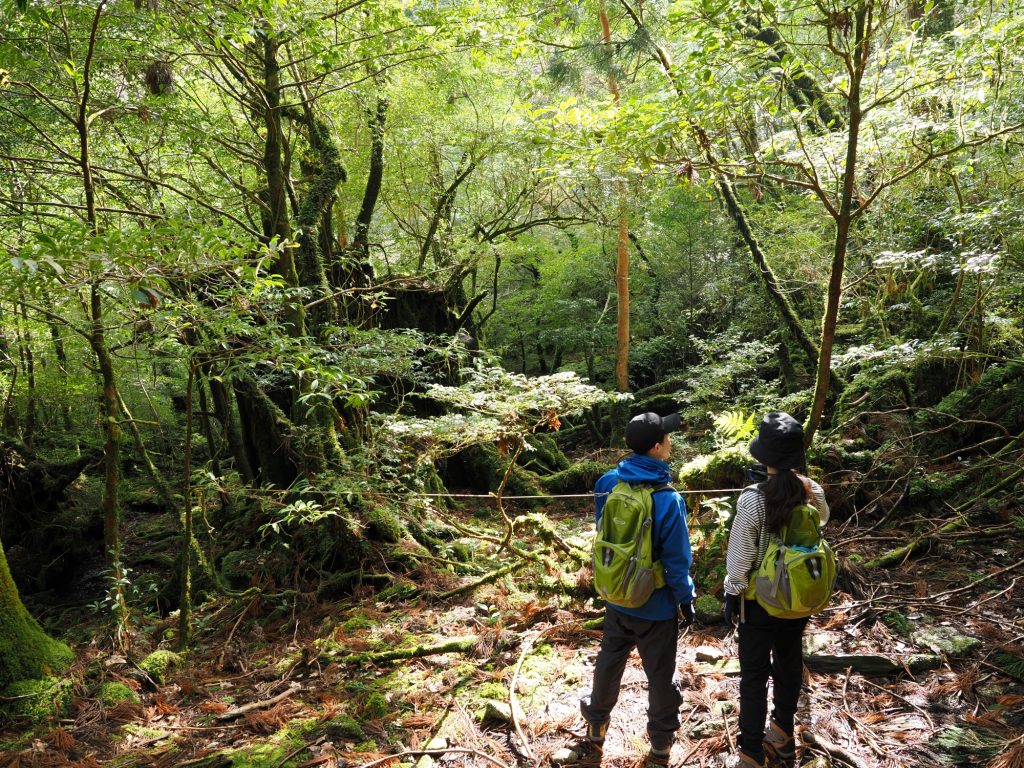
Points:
(652, 628)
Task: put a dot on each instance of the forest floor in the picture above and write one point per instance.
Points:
(289, 682)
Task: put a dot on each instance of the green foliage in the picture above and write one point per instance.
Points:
(500, 406)
(1011, 665)
(957, 744)
(898, 623)
(730, 371)
(732, 428)
(708, 609)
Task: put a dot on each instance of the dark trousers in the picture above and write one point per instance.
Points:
(769, 647)
(656, 643)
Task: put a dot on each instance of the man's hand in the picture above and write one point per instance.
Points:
(731, 609)
(686, 613)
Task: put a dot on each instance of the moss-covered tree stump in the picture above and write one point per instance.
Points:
(26, 651)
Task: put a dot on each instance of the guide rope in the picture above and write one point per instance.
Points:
(561, 495)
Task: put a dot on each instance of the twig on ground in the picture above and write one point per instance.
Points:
(231, 634)
(924, 713)
(528, 646)
(231, 714)
(832, 750)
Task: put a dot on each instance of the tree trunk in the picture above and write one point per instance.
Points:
(230, 430)
(185, 593)
(803, 90)
(26, 651)
(844, 217)
(619, 412)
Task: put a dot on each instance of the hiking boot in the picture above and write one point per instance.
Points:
(751, 761)
(596, 733)
(587, 751)
(657, 758)
(779, 746)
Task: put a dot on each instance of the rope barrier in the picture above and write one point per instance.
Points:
(559, 496)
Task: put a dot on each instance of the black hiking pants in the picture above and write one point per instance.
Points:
(655, 641)
(769, 647)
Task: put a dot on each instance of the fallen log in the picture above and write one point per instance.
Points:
(871, 664)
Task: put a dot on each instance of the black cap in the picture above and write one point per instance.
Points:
(646, 430)
(779, 442)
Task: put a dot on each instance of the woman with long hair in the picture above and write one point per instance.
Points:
(769, 647)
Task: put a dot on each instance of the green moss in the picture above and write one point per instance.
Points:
(34, 701)
(490, 690)
(236, 568)
(112, 692)
(898, 623)
(725, 468)
(344, 727)
(286, 743)
(383, 524)
(578, 478)
(708, 609)
(357, 622)
(160, 663)
(375, 707)
(26, 651)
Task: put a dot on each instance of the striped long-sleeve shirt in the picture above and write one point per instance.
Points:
(748, 540)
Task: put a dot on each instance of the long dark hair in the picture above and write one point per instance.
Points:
(782, 492)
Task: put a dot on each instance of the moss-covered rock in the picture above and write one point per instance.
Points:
(112, 692)
(725, 468)
(543, 455)
(159, 664)
(237, 568)
(481, 468)
(945, 640)
(578, 478)
(382, 524)
(707, 609)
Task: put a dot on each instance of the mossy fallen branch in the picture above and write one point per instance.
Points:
(898, 555)
(455, 645)
(485, 579)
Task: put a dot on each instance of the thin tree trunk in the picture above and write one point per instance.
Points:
(619, 412)
(30, 373)
(844, 217)
(62, 366)
(98, 343)
(185, 602)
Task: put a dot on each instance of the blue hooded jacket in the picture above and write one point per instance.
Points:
(671, 537)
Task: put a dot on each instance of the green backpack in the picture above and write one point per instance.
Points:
(625, 572)
(798, 572)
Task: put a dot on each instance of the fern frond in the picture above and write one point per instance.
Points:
(734, 427)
